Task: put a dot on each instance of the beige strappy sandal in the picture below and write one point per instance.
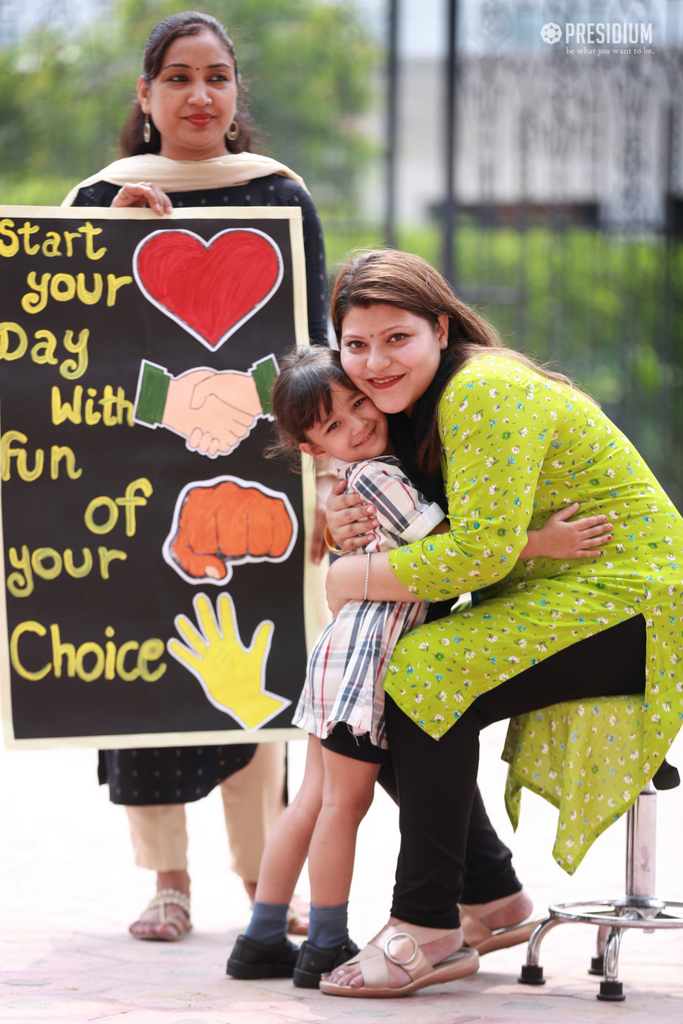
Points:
(176, 924)
(400, 945)
(486, 940)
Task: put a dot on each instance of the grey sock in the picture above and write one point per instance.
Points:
(268, 923)
(329, 926)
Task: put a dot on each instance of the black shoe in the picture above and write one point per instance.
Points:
(252, 959)
(313, 961)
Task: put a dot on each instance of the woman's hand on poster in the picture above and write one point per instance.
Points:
(560, 539)
(232, 675)
(350, 519)
(142, 194)
(213, 411)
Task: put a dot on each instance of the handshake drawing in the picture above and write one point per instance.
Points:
(213, 410)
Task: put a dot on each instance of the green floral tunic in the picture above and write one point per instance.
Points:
(517, 447)
(585, 758)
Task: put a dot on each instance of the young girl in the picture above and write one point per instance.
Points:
(319, 411)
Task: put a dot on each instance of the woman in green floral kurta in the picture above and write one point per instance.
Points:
(516, 444)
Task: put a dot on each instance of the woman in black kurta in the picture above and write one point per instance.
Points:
(156, 779)
(186, 128)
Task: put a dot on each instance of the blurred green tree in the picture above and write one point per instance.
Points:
(308, 66)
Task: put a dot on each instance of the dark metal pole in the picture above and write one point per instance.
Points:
(392, 123)
(665, 344)
(448, 263)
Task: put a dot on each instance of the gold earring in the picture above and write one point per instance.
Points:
(147, 130)
(233, 131)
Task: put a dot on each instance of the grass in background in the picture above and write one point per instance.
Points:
(34, 191)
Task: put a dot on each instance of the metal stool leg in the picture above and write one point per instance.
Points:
(532, 972)
(612, 990)
(639, 908)
(598, 961)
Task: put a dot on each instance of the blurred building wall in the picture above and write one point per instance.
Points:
(547, 129)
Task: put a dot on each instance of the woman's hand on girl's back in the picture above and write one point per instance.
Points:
(349, 518)
(144, 193)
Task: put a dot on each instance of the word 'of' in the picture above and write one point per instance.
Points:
(130, 501)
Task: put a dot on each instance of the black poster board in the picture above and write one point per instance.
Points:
(154, 561)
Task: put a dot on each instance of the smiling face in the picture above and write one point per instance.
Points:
(391, 354)
(192, 100)
(354, 430)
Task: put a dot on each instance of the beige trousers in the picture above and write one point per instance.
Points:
(252, 802)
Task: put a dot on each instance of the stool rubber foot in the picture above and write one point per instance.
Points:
(531, 974)
(611, 992)
(597, 965)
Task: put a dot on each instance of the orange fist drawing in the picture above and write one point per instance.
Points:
(226, 521)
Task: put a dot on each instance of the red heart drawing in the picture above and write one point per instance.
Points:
(209, 288)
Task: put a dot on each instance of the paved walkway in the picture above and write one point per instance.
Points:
(70, 891)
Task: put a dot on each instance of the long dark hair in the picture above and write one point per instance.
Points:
(409, 282)
(189, 23)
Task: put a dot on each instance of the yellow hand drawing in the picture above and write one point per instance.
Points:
(232, 675)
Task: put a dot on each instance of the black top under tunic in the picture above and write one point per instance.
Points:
(179, 775)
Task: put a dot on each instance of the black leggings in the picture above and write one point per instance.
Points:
(436, 781)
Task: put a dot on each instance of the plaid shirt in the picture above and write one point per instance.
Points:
(349, 662)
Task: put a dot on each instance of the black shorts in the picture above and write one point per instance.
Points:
(360, 748)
